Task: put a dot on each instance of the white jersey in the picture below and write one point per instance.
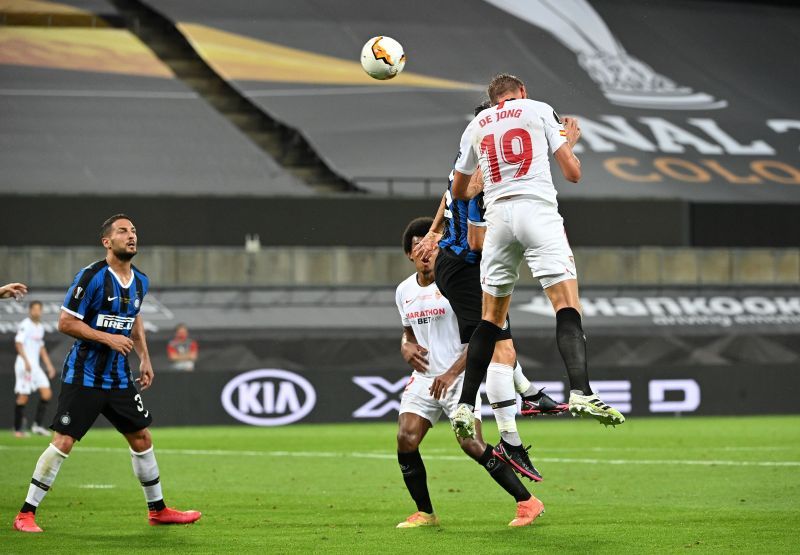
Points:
(510, 141)
(429, 314)
(31, 335)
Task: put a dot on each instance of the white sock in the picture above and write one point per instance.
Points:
(521, 383)
(500, 391)
(44, 474)
(146, 469)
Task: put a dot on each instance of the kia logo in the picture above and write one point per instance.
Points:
(268, 397)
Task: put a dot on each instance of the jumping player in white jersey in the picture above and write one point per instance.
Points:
(510, 140)
(431, 344)
(30, 376)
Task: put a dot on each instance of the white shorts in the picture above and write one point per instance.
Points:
(26, 382)
(417, 399)
(524, 226)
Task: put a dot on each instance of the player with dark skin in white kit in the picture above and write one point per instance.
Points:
(432, 346)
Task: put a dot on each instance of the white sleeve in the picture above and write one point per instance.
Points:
(21, 332)
(467, 161)
(553, 129)
(399, 302)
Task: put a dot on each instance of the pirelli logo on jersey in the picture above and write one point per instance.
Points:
(115, 322)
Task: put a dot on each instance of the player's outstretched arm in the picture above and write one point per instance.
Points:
(16, 290)
(139, 338)
(75, 327)
(427, 245)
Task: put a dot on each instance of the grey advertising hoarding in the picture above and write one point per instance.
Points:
(277, 397)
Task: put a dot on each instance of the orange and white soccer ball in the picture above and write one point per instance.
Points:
(383, 58)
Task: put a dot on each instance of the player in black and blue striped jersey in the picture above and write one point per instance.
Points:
(459, 228)
(101, 311)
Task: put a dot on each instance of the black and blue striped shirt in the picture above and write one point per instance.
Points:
(99, 298)
(459, 214)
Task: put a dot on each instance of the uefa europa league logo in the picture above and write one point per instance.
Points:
(624, 79)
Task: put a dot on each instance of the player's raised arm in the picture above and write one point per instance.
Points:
(567, 161)
(75, 327)
(139, 338)
(427, 245)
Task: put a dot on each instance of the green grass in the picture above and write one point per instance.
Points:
(349, 502)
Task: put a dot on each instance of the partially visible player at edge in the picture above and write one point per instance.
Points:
(458, 228)
(101, 311)
(30, 376)
(432, 346)
(510, 141)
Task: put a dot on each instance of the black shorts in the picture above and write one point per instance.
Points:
(460, 283)
(79, 406)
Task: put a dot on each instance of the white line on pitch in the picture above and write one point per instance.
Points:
(392, 456)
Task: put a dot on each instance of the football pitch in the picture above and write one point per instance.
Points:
(667, 485)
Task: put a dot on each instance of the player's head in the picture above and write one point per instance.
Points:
(415, 231)
(505, 86)
(118, 235)
(35, 310)
(482, 106)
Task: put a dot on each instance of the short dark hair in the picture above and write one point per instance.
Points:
(501, 84)
(106, 227)
(34, 303)
(418, 227)
(482, 106)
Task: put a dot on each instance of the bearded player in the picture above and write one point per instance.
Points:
(101, 311)
(510, 141)
(432, 346)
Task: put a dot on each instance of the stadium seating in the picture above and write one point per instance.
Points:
(93, 111)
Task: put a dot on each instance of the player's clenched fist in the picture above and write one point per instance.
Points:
(573, 130)
(119, 343)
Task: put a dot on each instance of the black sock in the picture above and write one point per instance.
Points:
(41, 408)
(27, 508)
(19, 415)
(479, 355)
(416, 479)
(572, 346)
(503, 475)
(156, 505)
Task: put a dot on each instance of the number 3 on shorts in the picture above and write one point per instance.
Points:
(139, 403)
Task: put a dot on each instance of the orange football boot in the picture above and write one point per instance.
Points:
(173, 516)
(527, 511)
(25, 522)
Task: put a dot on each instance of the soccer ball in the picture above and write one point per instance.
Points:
(382, 58)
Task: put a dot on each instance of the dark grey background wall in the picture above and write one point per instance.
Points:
(369, 221)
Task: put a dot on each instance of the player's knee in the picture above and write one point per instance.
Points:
(45, 394)
(63, 443)
(407, 440)
(140, 440)
(22, 399)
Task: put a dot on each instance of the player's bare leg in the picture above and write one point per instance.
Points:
(411, 429)
(572, 346)
(145, 468)
(479, 355)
